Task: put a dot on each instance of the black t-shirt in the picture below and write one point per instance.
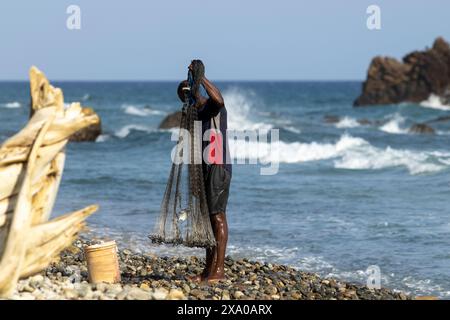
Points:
(206, 114)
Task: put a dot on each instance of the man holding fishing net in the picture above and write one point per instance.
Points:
(196, 217)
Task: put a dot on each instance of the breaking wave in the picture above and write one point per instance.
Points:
(12, 105)
(293, 129)
(126, 130)
(140, 112)
(434, 102)
(347, 122)
(102, 138)
(394, 125)
(348, 153)
(239, 106)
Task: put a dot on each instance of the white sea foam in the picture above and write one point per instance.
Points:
(11, 105)
(434, 102)
(347, 122)
(265, 253)
(239, 106)
(424, 287)
(125, 131)
(102, 138)
(442, 157)
(348, 153)
(408, 285)
(140, 112)
(369, 157)
(293, 129)
(394, 125)
(291, 152)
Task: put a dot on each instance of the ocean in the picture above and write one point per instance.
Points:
(347, 195)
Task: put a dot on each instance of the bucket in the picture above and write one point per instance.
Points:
(102, 262)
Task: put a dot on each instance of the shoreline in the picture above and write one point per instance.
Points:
(147, 276)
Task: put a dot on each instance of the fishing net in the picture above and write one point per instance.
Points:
(184, 215)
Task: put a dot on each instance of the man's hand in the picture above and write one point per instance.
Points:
(213, 92)
(191, 67)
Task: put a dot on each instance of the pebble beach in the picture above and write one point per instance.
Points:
(151, 277)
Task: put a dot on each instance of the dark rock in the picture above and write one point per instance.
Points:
(331, 119)
(89, 133)
(171, 121)
(420, 74)
(421, 128)
(364, 122)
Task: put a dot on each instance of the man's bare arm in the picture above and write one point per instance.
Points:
(213, 92)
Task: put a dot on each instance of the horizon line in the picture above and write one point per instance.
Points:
(177, 80)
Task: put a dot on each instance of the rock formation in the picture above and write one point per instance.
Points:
(171, 121)
(31, 167)
(331, 119)
(42, 94)
(421, 74)
(421, 128)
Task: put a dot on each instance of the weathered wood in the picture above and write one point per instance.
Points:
(45, 232)
(31, 167)
(47, 240)
(42, 93)
(13, 250)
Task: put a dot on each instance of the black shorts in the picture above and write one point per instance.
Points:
(217, 187)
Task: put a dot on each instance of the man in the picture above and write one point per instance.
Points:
(216, 172)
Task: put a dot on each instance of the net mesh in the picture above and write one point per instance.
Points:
(184, 215)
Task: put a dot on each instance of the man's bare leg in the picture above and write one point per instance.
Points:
(220, 228)
(210, 261)
(215, 257)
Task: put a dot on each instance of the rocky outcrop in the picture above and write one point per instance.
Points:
(171, 121)
(364, 122)
(331, 119)
(421, 128)
(420, 74)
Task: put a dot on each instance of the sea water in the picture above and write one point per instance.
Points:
(346, 196)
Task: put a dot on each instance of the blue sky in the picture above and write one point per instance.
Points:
(237, 40)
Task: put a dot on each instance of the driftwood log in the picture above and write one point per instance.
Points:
(31, 167)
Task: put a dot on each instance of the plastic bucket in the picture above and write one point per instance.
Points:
(102, 262)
